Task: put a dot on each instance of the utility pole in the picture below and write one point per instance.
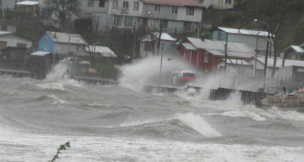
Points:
(15, 9)
(226, 55)
(266, 56)
(160, 69)
(159, 36)
(256, 54)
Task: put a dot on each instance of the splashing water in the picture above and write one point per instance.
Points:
(57, 72)
(146, 71)
(199, 124)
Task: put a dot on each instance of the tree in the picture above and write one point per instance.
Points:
(276, 15)
(62, 11)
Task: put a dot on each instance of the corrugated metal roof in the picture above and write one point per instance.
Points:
(297, 49)
(231, 54)
(270, 62)
(27, 3)
(244, 31)
(220, 45)
(66, 38)
(164, 36)
(174, 2)
(40, 53)
(238, 62)
(104, 51)
(189, 46)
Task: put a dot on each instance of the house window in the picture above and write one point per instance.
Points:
(91, 3)
(117, 21)
(3, 28)
(3, 44)
(21, 45)
(46, 40)
(125, 5)
(174, 10)
(164, 23)
(157, 8)
(101, 3)
(206, 57)
(187, 25)
(129, 21)
(190, 11)
(228, 1)
(223, 36)
(115, 5)
(136, 6)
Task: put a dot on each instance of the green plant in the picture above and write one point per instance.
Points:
(61, 148)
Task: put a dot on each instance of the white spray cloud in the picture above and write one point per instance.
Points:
(146, 71)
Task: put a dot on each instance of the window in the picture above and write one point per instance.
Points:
(174, 10)
(228, 1)
(125, 4)
(136, 6)
(117, 21)
(190, 11)
(223, 36)
(164, 23)
(91, 3)
(157, 8)
(3, 28)
(187, 25)
(206, 57)
(3, 44)
(129, 21)
(101, 3)
(115, 5)
(46, 40)
(21, 45)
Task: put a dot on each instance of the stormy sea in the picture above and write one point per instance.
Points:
(124, 123)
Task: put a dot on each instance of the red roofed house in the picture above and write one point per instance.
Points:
(205, 54)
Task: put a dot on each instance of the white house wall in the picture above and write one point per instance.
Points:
(131, 11)
(10, 28)
(218, 4)
(166, 13)
(12, 40)
(62, 49)
(235, 70)
(250, 41)
(89, 11)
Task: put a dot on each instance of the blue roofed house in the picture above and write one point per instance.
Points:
(62, 44)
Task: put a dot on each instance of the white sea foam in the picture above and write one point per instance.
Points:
(99, 105)
(53, 85)
(246, 114)
(136, 149)
(57, 100)
(289, 115)
(141, 122)
(199, 124)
